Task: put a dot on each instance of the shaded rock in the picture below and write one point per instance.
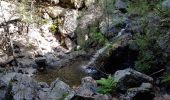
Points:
(53, 1)
(41, 63)
(26, 62)
(73, 3)
(120, 4)
(130, 78)
(142, 92)
(28, 71)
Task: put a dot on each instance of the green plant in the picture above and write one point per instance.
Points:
(99, 38)
(166, 78)
(53, 28)
(106, 85)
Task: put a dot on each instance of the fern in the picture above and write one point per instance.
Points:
(106, 85)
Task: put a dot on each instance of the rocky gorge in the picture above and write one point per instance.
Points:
(84, 49)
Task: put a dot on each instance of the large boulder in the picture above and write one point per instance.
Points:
(130, 78)
(59, 90)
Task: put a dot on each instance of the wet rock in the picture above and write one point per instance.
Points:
(130, 78)
(166, 4)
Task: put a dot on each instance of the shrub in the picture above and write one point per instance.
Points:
(106, 85)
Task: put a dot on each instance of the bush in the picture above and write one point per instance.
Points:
(106, 85)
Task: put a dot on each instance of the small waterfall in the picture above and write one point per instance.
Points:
(90, 68)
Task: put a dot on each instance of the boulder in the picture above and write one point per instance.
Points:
(129, 78)
(59, 90)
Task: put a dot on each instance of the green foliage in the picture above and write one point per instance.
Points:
(106, 85)
(99, 38)
(53, 28)
(166, 79)
(146, 59)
